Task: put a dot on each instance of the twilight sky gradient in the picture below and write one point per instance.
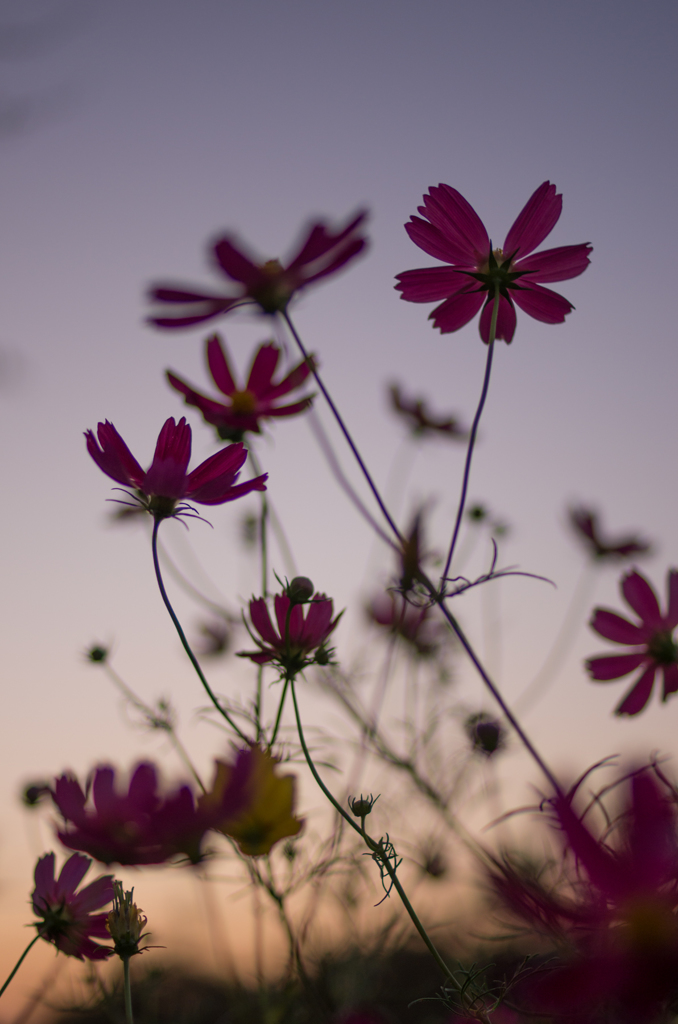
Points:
(148, 126)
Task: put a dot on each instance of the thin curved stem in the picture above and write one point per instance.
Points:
(182, 636)
(527, 743)
(474, 432)
(374, 846)
(280, 711)
(21, 959)
(344, 429)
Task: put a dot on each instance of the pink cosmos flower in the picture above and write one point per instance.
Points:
(269, 285)
(246, 406)
(622, 964)
(652, 638)
(140, 826)
(411, 624)
(453, 232)
(66, 917)
(299, 639)
(167, 482)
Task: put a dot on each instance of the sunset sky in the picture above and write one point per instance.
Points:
(135, 132)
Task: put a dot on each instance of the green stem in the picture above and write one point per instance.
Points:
(474, 432)
(129, 1017)
(374, 846)
(182, 636)
(21, 959)
(280, 711)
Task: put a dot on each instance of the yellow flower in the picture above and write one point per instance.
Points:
(266, 813)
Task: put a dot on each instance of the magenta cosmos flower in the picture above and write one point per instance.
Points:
(247, 405)
(453, 232)
(66, 917)
(269, 285)
(166, 483)
(299, 640)
(652, 638)
(622, 960)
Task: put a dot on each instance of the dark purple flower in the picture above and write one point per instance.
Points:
(167, 481)
(586, 525)
(652, 638)
(453, 232)
(66, 917)
(299, 639)
(247, 405)
(421, 421)
(412, 624)
(269, 284)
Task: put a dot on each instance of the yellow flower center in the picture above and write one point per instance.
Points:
(243, 403)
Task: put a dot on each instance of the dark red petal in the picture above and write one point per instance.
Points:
(641, 597)
(614, 666)
(72, 874)
(177, 296)
(346, 253)
(235, 264)
(167, 475)
(618, 629)
(456, 311)
(143, 787)
(430, 284)
(213, 412)
(287, 410)
(44, 878)
(217, 362)
(671, 620)
(113, 456)
(226, 462)
(263, 368)
(261, 620)
(535, 221)
(458, 222)
(541, 303)
(281, 603)
(506, 321)
(212, 309)
(637, 698)
(294, 379)
(670, 680)
(437, 244)
(93, 896)
(556, 264)
(600, 866)
(219, 491)
(320, 240)
(318, 619)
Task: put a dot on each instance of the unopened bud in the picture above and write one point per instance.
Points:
(34, 793)
(361, 805)
(485, 733)
(300, 590)
(97, 654)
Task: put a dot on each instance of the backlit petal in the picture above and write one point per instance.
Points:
(506, 321)
(541, 303)
(637, 698)
(535, 221)
(217, 362)
(430, 283)
(618, 629)
(456, 311)
(556, 264)
(614, 666)
(641, 597)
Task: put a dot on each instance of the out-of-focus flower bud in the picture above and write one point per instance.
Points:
(486, 733)
(300, 590)
(97, 654)
(34, 793)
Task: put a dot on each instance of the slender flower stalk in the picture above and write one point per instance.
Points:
(344, 429)
(182, 636)
(474, 431)
(21, 959)
(379, 854)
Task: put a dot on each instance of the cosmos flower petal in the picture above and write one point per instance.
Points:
(636, 699)
(456, 311)
(261, 620)
(233, 261)
(506, 321)
(72, 874)
(556, 264)
(294, 379)
(431, 284)
(671, 620)
(217, 362)
(113, 457)
(618, 629)
(212, 412)
(167, 475)
(320, 240)
(94, 895)
(541, 303)
(458, 221)
(432, 240)
(227, 461)
(614, 666)
(641, 597)
(535, 221)
(221, 490)
(210, 309)
(263, 368)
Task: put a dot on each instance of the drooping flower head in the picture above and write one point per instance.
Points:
(266, 814)
(452, 231)
(585, 523)
(167, 482)
(268, 285)
(655, 648)
(65, 916)
(421, 422)
(248, 405)
(300, 639)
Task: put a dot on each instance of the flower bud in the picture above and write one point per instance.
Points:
(34, 793)
(361, 805)
(125, 923)
(486, 733)
(300, 590)
(97, 654)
